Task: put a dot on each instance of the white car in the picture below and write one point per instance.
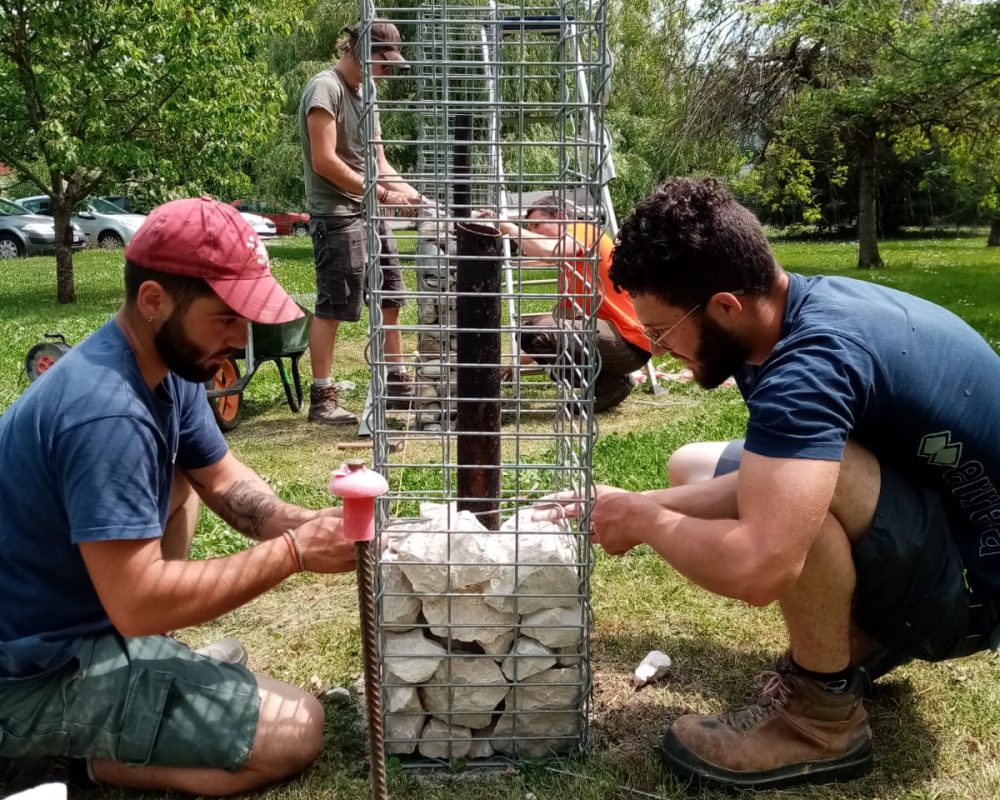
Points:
(104, 224)
(262, 226)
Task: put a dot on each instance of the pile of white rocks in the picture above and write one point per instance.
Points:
(483, 637)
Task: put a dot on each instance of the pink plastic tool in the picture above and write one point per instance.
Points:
(358, 486)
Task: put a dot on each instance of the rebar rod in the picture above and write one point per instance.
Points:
(373, 677)
(477, 311)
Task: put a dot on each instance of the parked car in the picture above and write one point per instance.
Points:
(262, 226)
(104, 224)
(286, 223)
(25, 234)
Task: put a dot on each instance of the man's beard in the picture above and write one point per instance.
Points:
(720, 354)
(182, 356)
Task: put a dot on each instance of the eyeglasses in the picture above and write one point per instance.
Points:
(657, 335)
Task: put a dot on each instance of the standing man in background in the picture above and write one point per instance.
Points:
(333, 154)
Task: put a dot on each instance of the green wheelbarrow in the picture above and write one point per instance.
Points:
(274, 343)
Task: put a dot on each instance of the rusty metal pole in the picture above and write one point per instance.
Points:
(359, 487)
(477, 283)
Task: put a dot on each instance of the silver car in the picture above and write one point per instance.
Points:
(262, 226)
(25, 234)
(104, 224)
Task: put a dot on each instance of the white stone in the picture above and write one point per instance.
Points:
(568, 656)
(548, 709)
(400, 606)
(556, 732)
(411, 657)
(458, 539)
(466, 618)
(440, 740)
(527, 658)
(654, 666)
(481, 747)
(499, 647)
(539, 585)
(430, 368)
(522, 523)
(404, 719)
(430, 411)
(554, 627)
(427, 311)
(465, 684)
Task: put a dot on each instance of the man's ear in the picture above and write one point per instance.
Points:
(727, 303)
(153, 302)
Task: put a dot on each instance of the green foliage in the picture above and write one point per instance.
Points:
(168, 93)
(918, 73)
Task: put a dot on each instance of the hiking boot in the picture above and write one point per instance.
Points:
(797, 732)
(399, 388)
(228, 651)
(325, 408)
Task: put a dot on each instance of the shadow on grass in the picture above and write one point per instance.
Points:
(35, 302)
(709, 676)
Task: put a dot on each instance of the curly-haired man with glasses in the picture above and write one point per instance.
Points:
(862, 501)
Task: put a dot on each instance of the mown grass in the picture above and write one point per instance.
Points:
(937, 728)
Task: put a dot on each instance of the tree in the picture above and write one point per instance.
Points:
(877, 69)
(168, 94)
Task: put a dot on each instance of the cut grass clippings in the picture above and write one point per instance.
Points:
(936, 727)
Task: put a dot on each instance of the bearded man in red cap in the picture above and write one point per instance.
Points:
(103, 463)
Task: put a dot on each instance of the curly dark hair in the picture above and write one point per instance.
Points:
(689, 240)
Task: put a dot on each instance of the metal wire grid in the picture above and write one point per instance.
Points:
(502, 101)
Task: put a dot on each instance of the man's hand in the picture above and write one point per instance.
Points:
(565, 505)
(616, 520)
(404, 205)
(619, 519)
(322, 543)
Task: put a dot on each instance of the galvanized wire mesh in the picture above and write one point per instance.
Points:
(502, 105)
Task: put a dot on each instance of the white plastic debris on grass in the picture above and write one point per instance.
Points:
(654, 666)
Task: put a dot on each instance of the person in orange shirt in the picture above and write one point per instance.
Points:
(621, 343)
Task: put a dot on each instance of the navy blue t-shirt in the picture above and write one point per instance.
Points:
(87, 454)
(907, 379)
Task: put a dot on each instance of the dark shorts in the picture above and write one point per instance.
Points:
(911, 594)
(340, 250)
(147, 700)
(619, 358)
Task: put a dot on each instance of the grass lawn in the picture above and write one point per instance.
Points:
(936, 728)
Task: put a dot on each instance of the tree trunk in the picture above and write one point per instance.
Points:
(65, 288)
(868, 255)
(994, 240)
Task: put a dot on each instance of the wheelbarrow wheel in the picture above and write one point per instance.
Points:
(226, 408)
(43, 355)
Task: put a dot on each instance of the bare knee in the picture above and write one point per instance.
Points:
(289, 731)
(694, 462)
(857, 491)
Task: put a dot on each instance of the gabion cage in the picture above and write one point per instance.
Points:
(483, 613)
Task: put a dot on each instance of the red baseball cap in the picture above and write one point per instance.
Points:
(203, 238)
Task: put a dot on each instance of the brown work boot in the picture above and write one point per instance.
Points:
(399, 388)
(796, 732)
(325, 409)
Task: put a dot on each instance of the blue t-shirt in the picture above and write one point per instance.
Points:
(87, 453)
(903, 377)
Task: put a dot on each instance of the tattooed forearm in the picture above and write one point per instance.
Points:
(247, 508)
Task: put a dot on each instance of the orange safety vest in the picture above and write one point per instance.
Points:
(576, 285)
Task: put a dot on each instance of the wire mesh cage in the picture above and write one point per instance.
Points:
(484, 614)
